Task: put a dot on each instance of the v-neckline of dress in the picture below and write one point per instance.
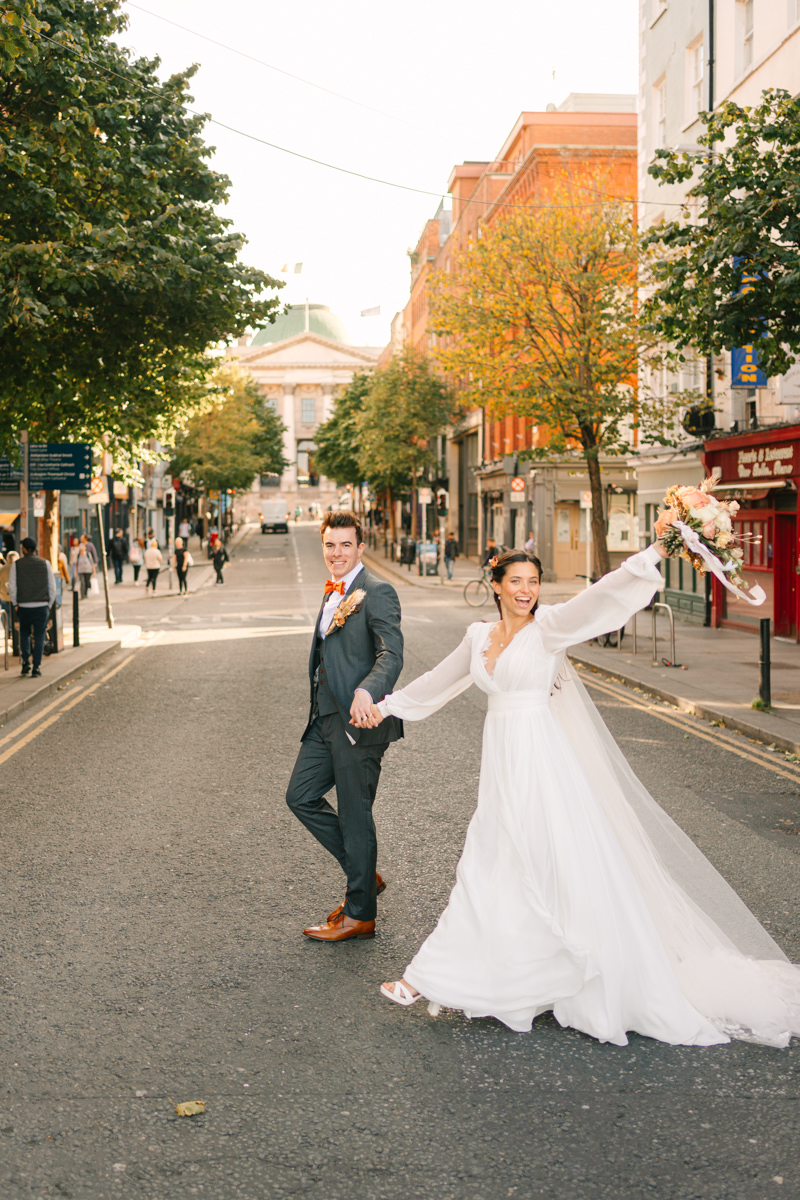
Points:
(484, 659)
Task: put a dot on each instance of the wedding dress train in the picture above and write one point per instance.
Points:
(575, 891)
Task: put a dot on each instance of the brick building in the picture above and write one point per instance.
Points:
(586, 131)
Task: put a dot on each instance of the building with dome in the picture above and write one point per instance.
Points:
(300, 362)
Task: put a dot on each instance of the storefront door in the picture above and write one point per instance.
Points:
(569, 553)
(785, 575)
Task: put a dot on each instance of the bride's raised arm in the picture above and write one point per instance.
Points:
(432, 690)
(605, 606)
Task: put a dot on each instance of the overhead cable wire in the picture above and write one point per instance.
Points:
(280, 70)
(406, 187)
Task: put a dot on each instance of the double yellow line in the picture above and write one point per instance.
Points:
(722, 740)
(63, 704)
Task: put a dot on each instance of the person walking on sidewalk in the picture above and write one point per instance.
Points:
(181, 560)
(356, 653)
(32, 588)
(84, 566)
(153, 559)
(135, 557)
(5, 571)
(450, 553)
(118, 552)
(220, 557)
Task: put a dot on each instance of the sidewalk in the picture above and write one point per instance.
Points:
(98, 642)
(718, 675)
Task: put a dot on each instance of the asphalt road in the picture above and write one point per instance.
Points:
(154, 891)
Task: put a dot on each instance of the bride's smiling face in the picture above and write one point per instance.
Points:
(518, 589)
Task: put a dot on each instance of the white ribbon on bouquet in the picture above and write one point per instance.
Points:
(694, 542)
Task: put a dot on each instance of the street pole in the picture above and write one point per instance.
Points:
(23, 487)
(442, 564)
(109, 614)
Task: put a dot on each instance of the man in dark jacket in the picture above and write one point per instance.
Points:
(32, 588)
(118, 553)
(356, 658)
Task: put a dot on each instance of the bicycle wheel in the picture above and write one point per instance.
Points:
(476, 593)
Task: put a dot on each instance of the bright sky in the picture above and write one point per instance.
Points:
(449, 79)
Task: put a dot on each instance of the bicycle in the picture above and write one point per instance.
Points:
(478, 591)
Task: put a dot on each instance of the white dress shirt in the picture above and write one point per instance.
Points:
(334, 600)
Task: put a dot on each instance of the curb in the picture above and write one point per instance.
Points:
(394, 576)
(706, 711)
(52, 685)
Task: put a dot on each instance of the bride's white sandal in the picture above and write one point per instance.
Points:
(402, 994)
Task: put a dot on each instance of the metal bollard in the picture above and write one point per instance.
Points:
(764, 687)
(76, 632)
(4, 619)
(670, 614)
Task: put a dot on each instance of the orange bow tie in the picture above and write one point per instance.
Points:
(330, 586)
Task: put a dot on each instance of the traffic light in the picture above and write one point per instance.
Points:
(169, 501)
(442, 502)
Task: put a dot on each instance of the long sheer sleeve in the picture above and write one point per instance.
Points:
(603, 607)
(434, 689)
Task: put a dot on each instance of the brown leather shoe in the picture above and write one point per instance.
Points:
(341, 929)
(381, 887)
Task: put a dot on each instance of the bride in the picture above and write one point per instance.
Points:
(575, 892)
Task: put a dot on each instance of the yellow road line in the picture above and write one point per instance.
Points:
(721, 742)
(57, 716)
(36, 717)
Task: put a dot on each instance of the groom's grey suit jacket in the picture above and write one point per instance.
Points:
(366, 652)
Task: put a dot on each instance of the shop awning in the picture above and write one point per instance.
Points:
(8, 518)
(762, 485)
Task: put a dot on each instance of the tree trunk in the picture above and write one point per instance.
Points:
(49, 546)
(601, 560)
(390, 510)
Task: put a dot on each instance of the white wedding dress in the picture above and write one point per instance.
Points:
(575, 892)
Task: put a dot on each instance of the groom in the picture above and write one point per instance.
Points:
(356, 658)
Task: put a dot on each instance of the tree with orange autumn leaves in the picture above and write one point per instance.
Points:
(538, 317)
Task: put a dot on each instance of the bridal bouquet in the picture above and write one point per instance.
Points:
(695, 525)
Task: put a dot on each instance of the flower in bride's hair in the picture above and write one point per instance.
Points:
(493, 562)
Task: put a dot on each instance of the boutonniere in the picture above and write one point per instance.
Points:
(351, 604)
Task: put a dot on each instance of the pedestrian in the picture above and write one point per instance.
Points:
(530, 545)
(491, 551)
(220, 557)
(450, 553)
(118, 552)
(185, 531)
(63, 565)
(135, 557)
(5, 599)
(356, 653)
(575, 892)
(153, 559)
(181, 560)
(298, 512)
(85, 566)
(32, 589)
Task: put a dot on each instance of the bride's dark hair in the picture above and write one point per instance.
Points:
(502, 562)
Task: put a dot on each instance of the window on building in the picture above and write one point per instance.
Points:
(793, 12)
(658, 7)
(271, 402)
(744, 21)
(695, 73)
(309, 410)
(660, 114)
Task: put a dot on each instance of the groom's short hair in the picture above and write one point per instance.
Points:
(342, 520)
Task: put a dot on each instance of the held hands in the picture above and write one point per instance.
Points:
(363, 713)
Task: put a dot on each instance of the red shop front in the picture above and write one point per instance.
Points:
(761, 470)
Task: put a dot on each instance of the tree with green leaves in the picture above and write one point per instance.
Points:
(538, 318)
(743, 221)
(236, 438)
(338, 440)
(407, 407)
(116, 269)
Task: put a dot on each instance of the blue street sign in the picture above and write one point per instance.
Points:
(745, 371)
(57, 467)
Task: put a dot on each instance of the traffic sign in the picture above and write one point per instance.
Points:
(425, 496)
(518, 484)
(53, 467)
(586, 499)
